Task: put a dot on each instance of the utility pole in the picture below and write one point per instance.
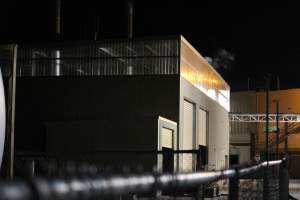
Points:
(266, 170)
(277, 128)
(267, 119)
(286, 138)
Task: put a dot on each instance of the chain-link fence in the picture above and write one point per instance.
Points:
(49, 178)
(166, 160)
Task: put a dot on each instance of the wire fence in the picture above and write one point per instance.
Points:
(53, 179)
(120, 161)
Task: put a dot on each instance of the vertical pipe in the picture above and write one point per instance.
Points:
(10, 123)
(248, 83)
(267, 119)
(57, 63)
(266, 170)
(277, 129)
(96, 34)
(283, 181)
(286, 138)
(130, 19)
(13, 81)
(252, 152)
(278, 83)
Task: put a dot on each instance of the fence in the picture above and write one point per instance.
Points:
(165, 160)
(267, 180)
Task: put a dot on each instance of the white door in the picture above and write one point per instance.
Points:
(167, 139)
(188, 136)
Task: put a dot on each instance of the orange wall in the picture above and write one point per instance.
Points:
(289, 102)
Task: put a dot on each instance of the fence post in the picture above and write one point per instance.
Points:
(234, 186)
(266, 182)
(284, 180)
(200, 188)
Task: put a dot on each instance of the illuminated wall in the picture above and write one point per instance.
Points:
(288, 103)
(195, 69)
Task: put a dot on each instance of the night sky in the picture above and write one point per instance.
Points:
(263, 36)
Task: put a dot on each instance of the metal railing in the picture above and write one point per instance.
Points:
(98, 58)
(99, 186)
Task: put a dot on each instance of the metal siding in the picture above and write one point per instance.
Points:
(119, 57)
(242, 102)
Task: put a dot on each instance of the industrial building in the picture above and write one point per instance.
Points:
(81, 99)
(247, 136)
(242, 144)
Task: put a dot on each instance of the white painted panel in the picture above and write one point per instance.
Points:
(218, 123)
(202, 130)
(188, 125)
(167, 138)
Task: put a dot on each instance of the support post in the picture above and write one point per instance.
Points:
(286, 139)
(277, 129)
(10, 116)
(200, 188)
(234, 187)
(284, 180)
(266, 170)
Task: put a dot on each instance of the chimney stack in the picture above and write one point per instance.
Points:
(130, 19)
(58, 19)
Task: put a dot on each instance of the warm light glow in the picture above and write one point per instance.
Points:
(195, 69)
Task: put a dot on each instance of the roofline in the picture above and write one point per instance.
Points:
(103, 40)
(203, 59)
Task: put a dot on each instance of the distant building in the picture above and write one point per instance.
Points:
(243, 135)
(86, 98)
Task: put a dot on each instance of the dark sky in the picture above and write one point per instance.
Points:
(263, 36)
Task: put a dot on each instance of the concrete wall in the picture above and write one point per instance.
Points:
(104, 141)
(218, 139)
(93, 113)
(75, 115)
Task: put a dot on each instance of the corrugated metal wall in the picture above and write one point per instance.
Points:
(241, 132)
(94, 58)
(242, 102)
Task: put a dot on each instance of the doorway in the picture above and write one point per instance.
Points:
(167, 143)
